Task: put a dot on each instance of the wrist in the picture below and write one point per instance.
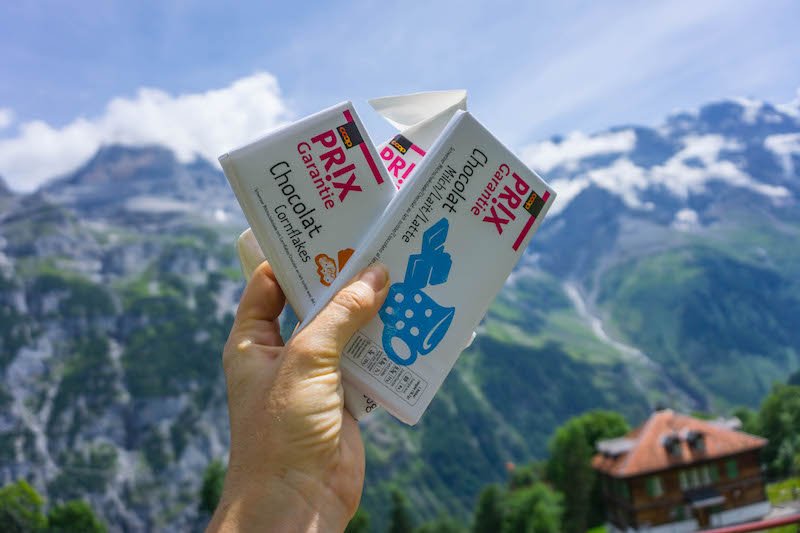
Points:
(284, 504)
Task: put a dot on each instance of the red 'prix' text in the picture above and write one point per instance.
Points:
(396, 165)
(338, 172)
(501, 207)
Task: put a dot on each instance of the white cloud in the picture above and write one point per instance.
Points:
(681, 178)
(622, 178)
(685, 173)
(153, 204)
(199, 124)
(567, 189)
(548, 155)
(6, 117)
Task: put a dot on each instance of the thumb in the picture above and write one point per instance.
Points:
(322, 341)
(250, 254)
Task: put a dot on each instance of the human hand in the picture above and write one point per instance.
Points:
(296, 459)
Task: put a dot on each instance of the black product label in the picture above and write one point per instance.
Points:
(534, 204)
(401, 144)
(350, 134)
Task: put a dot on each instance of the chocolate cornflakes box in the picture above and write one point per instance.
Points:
(309, 190)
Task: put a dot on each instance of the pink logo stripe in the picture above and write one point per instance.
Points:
(348, 116)
(528, 224)
(524, 232)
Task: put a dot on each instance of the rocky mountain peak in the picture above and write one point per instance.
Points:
(122, 180)
(696, 160)
(5, 190)
(118, 164)
(740, 118)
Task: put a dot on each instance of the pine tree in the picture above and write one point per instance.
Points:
(211, 491)
(778, 420)
(534, 509)
(22, 511)
(443, 524)
(489, 512)
(400, 518)
(21, 508)
(74, 517)
(569, 467)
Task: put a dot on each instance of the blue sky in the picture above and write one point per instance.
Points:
(532, 69)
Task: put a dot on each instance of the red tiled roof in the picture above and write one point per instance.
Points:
(648, 453)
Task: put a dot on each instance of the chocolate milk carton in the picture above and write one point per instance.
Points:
(450, 238)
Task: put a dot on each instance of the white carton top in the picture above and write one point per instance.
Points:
(420, 117)
(450, 238)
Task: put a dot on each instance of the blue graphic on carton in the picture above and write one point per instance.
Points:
(414, 323)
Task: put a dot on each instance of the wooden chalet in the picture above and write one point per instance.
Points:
(676, 473)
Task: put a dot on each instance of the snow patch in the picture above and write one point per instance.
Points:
(686, 219)
(784, 146)
(751, 109)
(220, 215)
(792, 108)
(622, 178)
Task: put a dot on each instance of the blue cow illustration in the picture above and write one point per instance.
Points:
(414, 323)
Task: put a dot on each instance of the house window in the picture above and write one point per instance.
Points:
(672, 444)
(624, 491)
(696, 441)
(620, 489)
(679, 513)
(700, 476)
(732, 468)
(706, 474)
(654, 488)
(694, 477)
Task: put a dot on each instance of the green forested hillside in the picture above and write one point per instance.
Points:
(720, 320)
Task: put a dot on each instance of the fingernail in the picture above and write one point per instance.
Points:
(250, 254)
(375, 276)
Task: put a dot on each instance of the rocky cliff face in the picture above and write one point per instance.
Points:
(118, 287)
(667, 273)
